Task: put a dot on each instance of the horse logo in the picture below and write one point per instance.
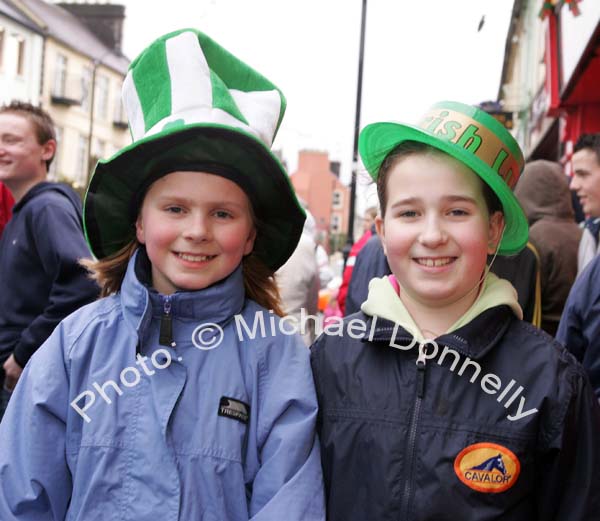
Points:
(487, 467)
(494, 463)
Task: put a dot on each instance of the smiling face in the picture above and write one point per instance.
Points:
(586, 180)
(22, 157)
(436, 231)
(196, 228)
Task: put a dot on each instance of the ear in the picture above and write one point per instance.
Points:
(250, 241)
(380, 227)
(496, 228)
(48, 149)
(139, 229)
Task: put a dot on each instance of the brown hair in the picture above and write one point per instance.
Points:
(39, 118)
(408, 148)
(259, 279)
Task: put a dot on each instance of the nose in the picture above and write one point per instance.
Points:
(575, 184)
(433, 233)
(197, 228)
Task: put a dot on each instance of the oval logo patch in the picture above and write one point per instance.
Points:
(487, 467)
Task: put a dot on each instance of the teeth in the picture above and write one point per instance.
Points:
(434, 262)
(195, 258)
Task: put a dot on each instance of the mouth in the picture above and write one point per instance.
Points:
(190, 257)
(434, 262)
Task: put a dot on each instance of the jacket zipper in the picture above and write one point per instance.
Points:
(412, 434)
(165, 338)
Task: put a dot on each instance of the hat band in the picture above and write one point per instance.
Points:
(474, 138)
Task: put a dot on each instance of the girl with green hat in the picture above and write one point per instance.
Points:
(446, 405)
(167, 399)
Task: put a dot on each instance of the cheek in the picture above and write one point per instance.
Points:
(398, 239)
(157, 234)
(475, 246)
(235, 239)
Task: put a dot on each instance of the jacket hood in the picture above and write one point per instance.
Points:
(47, 186)
(543, 191)
(384, 302)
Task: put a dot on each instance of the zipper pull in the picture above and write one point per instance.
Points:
(165, 338)
(421, 364)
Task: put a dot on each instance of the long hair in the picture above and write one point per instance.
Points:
(259, 279)
(109, 272)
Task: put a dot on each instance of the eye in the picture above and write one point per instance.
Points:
(408, 214)
(174, 210)
(458, 212)
(222, 214)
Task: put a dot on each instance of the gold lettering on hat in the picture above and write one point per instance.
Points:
(477, 139)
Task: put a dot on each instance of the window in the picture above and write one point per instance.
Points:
(2, 33)
(82, 160)
(53, 173)
(20, 56)
(60, 76)
(86, 83)
(102, 93)
(337, 199)
(99, 149)
(335, 223)
(119, 108)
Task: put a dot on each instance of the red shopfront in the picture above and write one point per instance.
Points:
(572, 89)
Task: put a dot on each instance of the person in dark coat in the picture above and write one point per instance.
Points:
(40, 248)
(436, 401)
(543, 191)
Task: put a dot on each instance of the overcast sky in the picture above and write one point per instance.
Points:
(417, 52)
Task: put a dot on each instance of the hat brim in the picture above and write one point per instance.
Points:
(108, 217)
(379, 139)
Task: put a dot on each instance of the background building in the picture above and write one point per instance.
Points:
(317, 183)
(21, 55)
(551, 75)
(81, 75)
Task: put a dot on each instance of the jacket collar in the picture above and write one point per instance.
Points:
(474, 339)
(217, 303)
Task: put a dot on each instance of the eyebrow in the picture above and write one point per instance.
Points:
(449, 198)
(187, 200)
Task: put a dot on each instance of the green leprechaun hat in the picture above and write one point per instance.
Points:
(471, 136)
(192, 105)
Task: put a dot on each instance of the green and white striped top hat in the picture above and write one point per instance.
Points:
(192, 105)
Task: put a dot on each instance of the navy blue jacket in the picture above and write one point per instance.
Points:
(370, 262)
(579, 328)
(41, 280)
(402, 440)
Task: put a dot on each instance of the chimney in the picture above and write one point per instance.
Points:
(104, 20)
(334, 166)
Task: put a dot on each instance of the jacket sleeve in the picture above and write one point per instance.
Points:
(35, 482)
(288, 484)
(569, 470)
(579, 326)
(60, 245)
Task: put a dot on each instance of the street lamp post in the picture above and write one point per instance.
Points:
(350, 238)
(96, 63)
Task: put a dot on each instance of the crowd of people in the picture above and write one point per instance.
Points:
(147, 368)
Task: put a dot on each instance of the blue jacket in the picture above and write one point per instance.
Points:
(209, 427)
(42, 281)
(579, 328)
